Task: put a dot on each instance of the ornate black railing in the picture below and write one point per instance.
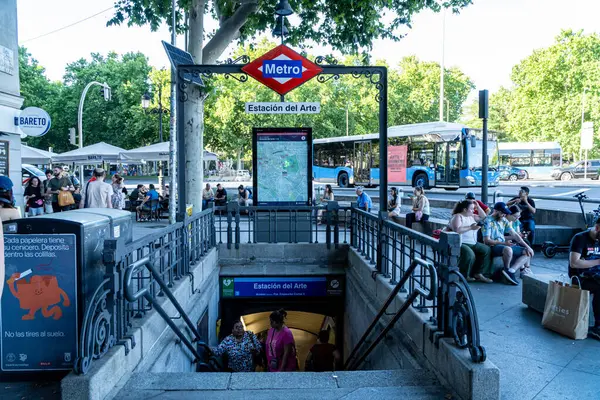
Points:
(329, 224)
(352, 362)
(167, 256)
(391, 248)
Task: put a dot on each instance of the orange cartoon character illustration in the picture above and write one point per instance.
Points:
(41, 292)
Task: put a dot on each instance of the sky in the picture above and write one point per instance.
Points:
(485, 40)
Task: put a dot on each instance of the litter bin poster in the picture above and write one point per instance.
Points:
(39, 303)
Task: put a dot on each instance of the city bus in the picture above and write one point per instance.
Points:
(432, 154)
(537, 159)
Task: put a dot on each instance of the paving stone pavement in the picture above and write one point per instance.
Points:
(534, 363)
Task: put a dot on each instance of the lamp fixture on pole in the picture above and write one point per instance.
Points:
(145, 101)
(283, 8)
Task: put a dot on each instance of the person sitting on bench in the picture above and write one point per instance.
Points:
(584, 262)
(494, 230)
(420, 207)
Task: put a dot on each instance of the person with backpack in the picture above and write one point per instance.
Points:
(244, 196)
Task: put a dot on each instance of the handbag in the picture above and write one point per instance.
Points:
(65, 198)
(419, 215)
(567, 309)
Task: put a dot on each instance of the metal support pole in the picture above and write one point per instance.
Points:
(383, 140)
(442, 65)
(383, 157)
(80, 122)
(181, 189)
(484, 167)
(173, 128)
(161, 172)
(346, 119)
(483, 114)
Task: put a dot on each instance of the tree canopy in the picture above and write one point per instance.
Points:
(413, 94)
(546, 99)
(349, 26)
(120, 121)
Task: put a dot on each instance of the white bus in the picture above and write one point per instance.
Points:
(538, 159)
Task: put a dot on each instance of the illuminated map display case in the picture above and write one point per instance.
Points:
(282, 180)
(282, 166)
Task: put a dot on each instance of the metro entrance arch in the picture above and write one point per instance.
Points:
(239, 69)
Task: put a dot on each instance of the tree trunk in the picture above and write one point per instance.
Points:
(194, 114)
(239, 166)
(194, 106)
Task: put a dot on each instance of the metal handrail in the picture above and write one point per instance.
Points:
(430, 295)
(144, 292)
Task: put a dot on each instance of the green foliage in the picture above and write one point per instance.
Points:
(121, 121)
(413, 96)
(349, 26)
(545, 100)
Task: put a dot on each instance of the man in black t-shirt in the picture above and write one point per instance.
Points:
(527, 206)
(584, 262)
(221, 196)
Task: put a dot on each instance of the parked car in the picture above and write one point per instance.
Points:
(577, 171)
(242, 175)
(508, 173)
(28, 170)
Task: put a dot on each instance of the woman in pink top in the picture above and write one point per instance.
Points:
(280, 346)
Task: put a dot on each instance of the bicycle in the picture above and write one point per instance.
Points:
(550, 249)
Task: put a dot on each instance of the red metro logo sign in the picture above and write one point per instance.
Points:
(282, 69)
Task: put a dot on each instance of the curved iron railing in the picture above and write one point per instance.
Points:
(391, 249)
(428, 294)
(132, 296)
(129, 291)
(136, 274)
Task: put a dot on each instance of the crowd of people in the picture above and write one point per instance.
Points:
(245, 352)
(63, 192)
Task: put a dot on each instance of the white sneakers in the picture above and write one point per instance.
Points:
(526, 272)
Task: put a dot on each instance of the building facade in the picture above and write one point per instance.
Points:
(10, 98)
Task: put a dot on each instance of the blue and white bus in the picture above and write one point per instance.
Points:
(432, 154)
(537, 159)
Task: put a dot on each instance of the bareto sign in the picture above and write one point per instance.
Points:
(282, 69)
(33, 121)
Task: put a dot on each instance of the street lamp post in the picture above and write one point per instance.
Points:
(447, 110)
(145, 105)
(106, 91)
(581, 133)
(282, 10)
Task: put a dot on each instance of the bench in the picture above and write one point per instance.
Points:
(535, 289)
(561, 235)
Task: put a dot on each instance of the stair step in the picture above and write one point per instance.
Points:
(385, 378)
(371, 393)
(384, 384)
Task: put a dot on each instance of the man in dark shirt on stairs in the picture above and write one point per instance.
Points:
(584, 262)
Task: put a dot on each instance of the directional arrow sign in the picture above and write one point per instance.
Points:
(282, 69)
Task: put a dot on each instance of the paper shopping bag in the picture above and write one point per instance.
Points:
(65, 198)
(566, 310)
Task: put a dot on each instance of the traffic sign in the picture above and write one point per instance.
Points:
(282, 69)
